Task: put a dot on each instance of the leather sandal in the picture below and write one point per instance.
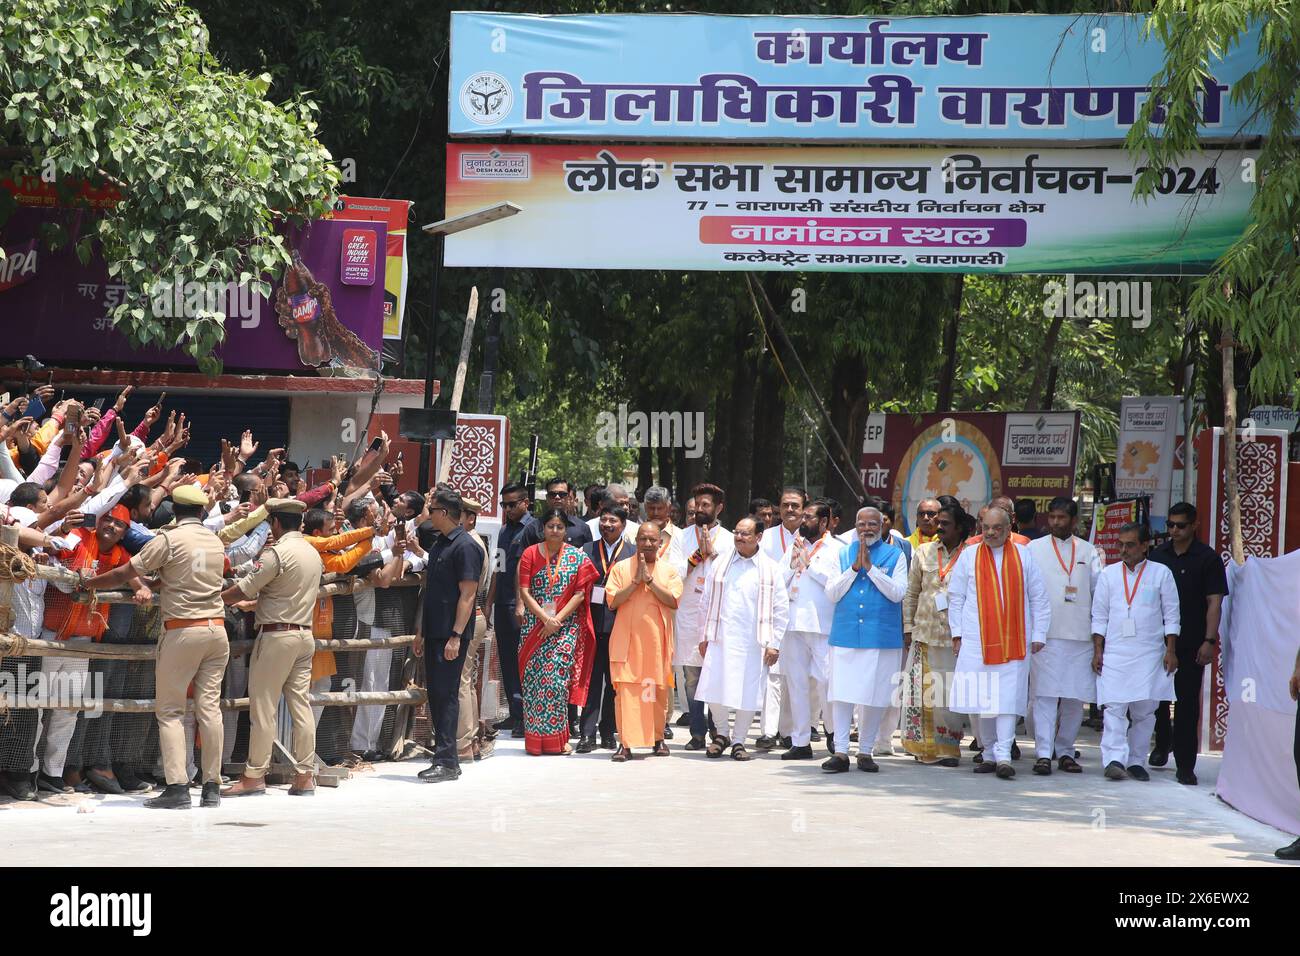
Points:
(1069, 765)
(716, 748)
(621, 755)
(661, 749)
(738, 752)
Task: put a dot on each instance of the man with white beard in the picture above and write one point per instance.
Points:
(1135, 626)
(808, 566)
(997, 612)
(1061, 675)
(744, 620)
(776, 725)
(866, 640)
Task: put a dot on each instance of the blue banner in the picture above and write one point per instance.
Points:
(1064, 79)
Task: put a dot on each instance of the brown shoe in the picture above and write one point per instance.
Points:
(304, 785)
(245, 786)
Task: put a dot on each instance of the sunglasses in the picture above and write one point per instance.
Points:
(1178, 524)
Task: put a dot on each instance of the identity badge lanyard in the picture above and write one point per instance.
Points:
(941, 595)
(1071, 592)
(1130, 627)
(817, 547)
(552, 576)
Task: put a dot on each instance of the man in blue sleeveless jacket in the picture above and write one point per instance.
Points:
(866, 641)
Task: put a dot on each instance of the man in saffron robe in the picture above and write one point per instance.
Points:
(997, 602)
(643, 591)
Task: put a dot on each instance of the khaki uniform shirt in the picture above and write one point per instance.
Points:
(191, 561)
(286, 582)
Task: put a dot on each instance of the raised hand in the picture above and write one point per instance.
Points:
(122, 396)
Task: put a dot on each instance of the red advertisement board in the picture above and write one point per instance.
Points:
(973, 456)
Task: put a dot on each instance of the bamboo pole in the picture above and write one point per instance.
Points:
(415, 695)
(458, 387)
(11, 645)
(345, 584)
(1226, 346)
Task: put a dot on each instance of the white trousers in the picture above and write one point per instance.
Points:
(65, 678)
(321, 686)
(1126, 732)
(1059, 715)
(888, 724)
(777, 720)
(997, 734)
(236, 686)
(370, 718)
(868, 725)
(722, 721)
(805, 681)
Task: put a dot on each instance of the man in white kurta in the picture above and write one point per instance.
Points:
(1061, 678)
(807, 567)
(866, 640)
(694, 551)
(1135, 625)
(777, 723)
(995, 693)
(744, 620)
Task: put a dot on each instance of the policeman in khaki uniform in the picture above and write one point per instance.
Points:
(285, 583)
(190, 560)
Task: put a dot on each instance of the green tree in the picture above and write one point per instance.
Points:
(127, 93)
(1255, 287)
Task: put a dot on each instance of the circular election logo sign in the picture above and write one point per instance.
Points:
(486, 98)
(953, 458)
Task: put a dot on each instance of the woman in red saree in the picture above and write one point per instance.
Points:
(556, 652)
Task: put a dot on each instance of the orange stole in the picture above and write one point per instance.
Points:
(1001, 609)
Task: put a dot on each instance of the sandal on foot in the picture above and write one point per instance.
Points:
(1069, 765)
(738, 752)
(1043, 766)
(621, 755)
(661, 749)
(716, 748)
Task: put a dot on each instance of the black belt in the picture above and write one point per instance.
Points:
(283, 627)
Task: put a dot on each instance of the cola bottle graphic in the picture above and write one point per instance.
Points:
(305, 308)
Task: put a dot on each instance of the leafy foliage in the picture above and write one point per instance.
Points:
(1255, 286)
(126, 92)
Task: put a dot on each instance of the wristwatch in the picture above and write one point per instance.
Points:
(457, 634)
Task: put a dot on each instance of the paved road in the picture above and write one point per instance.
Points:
(680, 810)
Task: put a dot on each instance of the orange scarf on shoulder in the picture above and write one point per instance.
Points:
(1001, 604)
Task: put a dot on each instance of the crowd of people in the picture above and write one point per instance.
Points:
(229, 547)
(819, 626)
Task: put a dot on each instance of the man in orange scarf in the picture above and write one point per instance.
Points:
(998, 613)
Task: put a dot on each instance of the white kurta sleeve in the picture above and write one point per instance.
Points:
(958, 584)
(1101, 605)
(1094, 568)
(1169, 604)
(706, 607)
(780, 614)
(786, 563)
(677, 556)
(1040, 605)
(894, 584)
(838, 586)
(824, 567)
